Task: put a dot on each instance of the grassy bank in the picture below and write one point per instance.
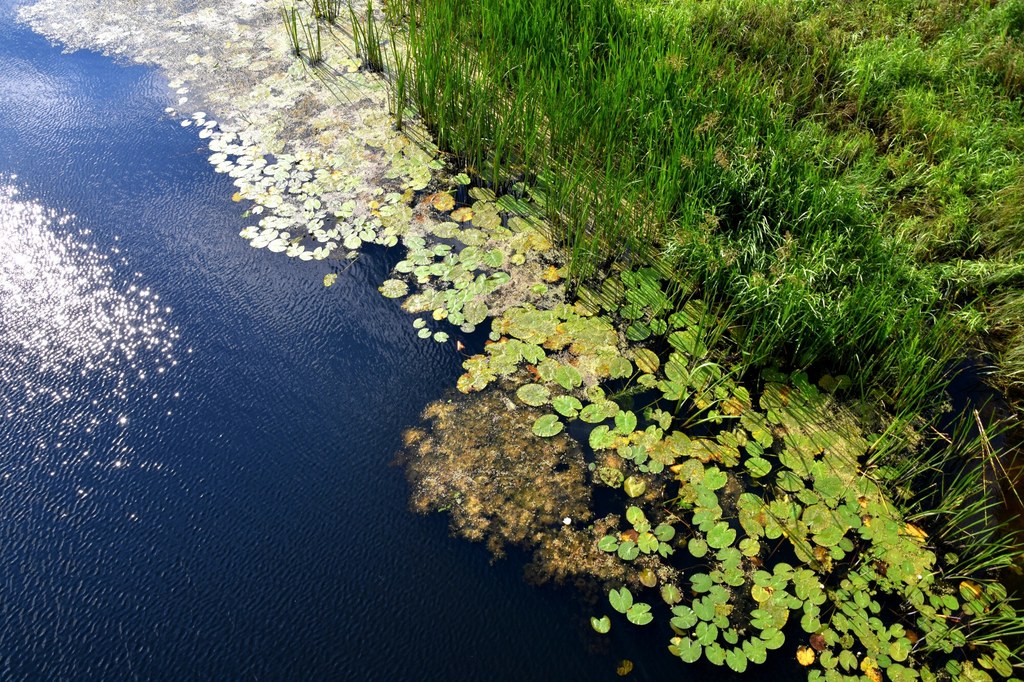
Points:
(741, 187)
(842, 181)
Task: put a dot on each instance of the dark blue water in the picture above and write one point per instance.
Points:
(196, 435)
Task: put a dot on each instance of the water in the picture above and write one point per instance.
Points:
(196, 435)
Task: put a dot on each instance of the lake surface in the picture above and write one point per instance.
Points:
(196, 436)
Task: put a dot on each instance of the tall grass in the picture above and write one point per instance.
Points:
(648, 142)
(326, 10)
(314, 44)
(290, 19)
(366, 38)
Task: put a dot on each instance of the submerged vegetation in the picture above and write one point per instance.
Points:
(728, 254)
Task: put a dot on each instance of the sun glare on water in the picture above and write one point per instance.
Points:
(76, 336)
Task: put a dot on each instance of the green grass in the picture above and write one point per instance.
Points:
(290, 19)
(741, 148)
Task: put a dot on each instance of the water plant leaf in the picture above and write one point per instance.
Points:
(394, 288)
(736, 659)
(625, 423)
(608, 543)
(686, 649)
(620, 599)
(647, 543)
(634, 487)
(664, 532)
(330, 279)
(602, 438)
(670, 594)
(628, 550)
(442, 201)
(567, 405)
(624, 667)
(547, 425)
(639, 613)
(601, 625)
(463, 214)
(698, 547)
(721, 535)
(805, 655)
(534, 395)
(714, 478)
(635, 516)
(701, 582)
(758, 467)
(646, 360)
(441, 337)
(568, 377)
(494, 258)
(592, 414)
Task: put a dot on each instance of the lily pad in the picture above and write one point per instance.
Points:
(534, 395)
(547, 426)
(601, 625)
(621, 599)
(567, 406)
(646, 360)
(394, 288)
(634, 487)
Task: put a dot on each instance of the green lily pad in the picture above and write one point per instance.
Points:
(592, 414)
(698, 547)
(568, 377)
(547, 426)
(601, 625)
(628, 550)
(534, 395)
(639, 613)
(567, 406)
(736, 659)
(625, 422)
(758, 466)
(721, 535)
(647, 543)
(621, 599)
(670, 594)
(394, 288)
(602, 438)
(686, 649)
(609, 543)
(665, 532)
(635, 516)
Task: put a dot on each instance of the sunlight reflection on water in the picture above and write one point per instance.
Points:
(67, 319)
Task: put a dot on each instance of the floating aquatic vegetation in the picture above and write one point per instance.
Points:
(312, 151)
(478, 460)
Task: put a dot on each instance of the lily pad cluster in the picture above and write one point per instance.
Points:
(865, 586)
(457, 267)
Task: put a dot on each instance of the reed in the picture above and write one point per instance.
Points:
(290, 19)
(366, 37)
(314, 44)
(326, 10)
